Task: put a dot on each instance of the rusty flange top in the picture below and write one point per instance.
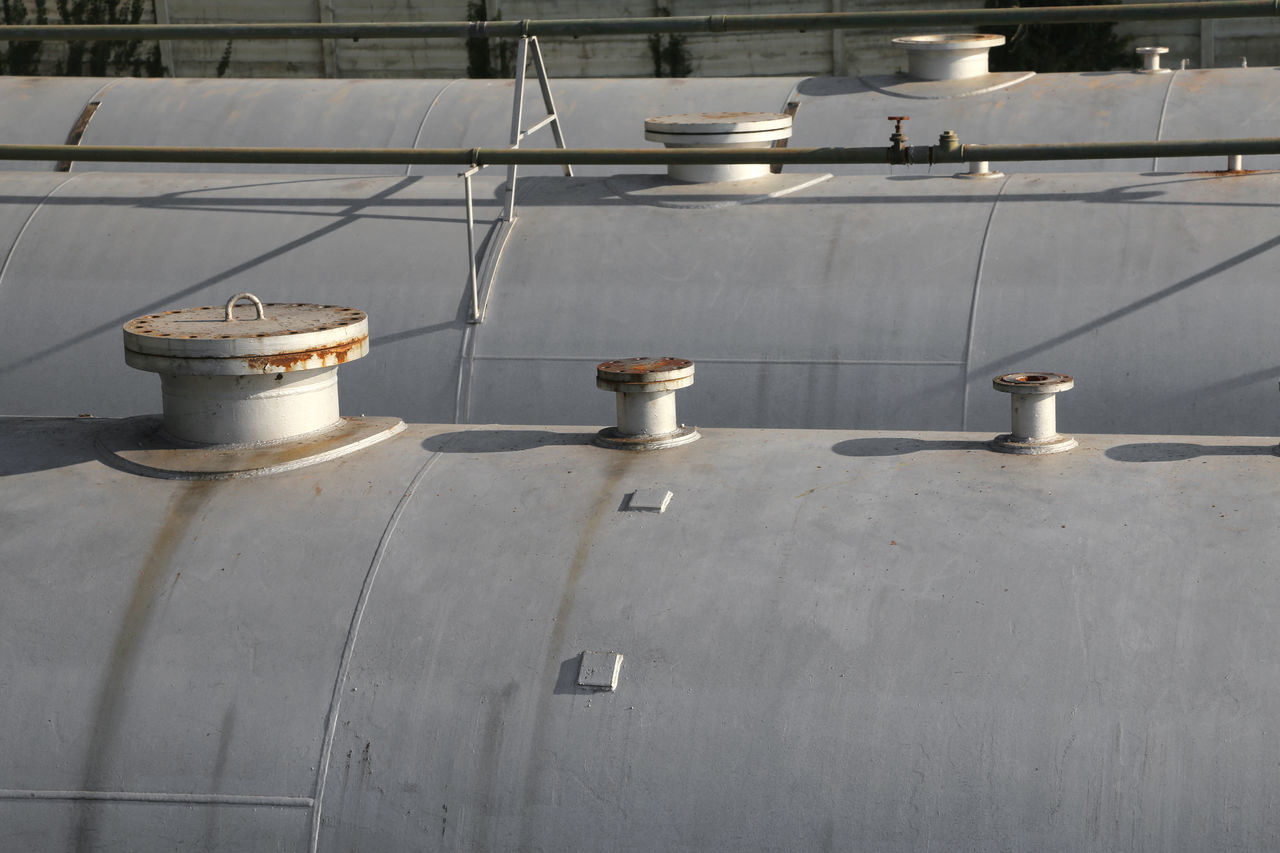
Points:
(237, 339)
(950, 41)
(644, 374)
(700, 123)
(1033, 383)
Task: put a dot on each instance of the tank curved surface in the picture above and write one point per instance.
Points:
(1007, 107)
(829, 640)
(849, 302)
(1116, 106)
(43, 111)
(367, 113)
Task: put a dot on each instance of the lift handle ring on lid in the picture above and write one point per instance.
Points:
(231, 303)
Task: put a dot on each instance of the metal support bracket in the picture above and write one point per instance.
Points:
(518, 133)
(480, 290)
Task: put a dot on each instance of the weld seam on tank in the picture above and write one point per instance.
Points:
(349, 646)
(161, 797)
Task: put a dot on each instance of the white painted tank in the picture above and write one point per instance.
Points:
(829, 640)
(845, 302)
(1004, 107)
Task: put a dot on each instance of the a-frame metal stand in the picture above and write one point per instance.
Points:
(481, 283)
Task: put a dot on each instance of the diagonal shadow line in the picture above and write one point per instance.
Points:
(1222, 386)
(1132, 307)
(281, 211)
(348, 216)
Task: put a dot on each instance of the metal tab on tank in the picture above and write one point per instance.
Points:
(648, 500)
(599, 670)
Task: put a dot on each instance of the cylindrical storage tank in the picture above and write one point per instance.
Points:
(1001, 107)
(825, 640)
(806, 302)
(356, 114)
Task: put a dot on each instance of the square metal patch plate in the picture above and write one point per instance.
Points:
(599, 670)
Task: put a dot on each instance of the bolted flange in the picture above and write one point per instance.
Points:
(1151, 59)
(1035, 428)
(979, 169)
(646, 395)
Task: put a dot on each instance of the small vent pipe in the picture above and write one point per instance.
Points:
(646, 397)
(1151, 59)
(1035, 419)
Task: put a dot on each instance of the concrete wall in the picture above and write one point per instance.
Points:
(1202, 44)
(1219, 43)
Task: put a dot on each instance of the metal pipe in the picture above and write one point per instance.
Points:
(644, 26)
(910, 155)
(1117, 150)
(444, 156)
(1034, 413)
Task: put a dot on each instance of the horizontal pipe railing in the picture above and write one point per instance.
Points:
(911, 155)
(1120, 150)
(440, 156)
(648, 26)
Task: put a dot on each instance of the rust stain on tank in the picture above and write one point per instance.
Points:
(1231, 173)
(644, 365)
(325, 356)
(185, 512)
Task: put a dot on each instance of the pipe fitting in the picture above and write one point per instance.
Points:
(979, 169)
(1035, 427)
(1235, 162)
(646, 397)
(1151, 59)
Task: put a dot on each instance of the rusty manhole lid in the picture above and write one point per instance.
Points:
(246, 336)
(283, 327)
(644, 373)
(700, 123)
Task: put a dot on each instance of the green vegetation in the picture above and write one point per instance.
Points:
(1058, 47)
(488, 57)
(670, 56)
(91, 59)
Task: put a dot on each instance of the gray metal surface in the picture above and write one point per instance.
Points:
(999, 108)
(385, 113)
(332, 113)
(848, 302)
(43, 110)
(844, 640)
(1119, 106)
(107, 248)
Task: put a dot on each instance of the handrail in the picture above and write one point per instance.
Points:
(713, 24)
(947, 151)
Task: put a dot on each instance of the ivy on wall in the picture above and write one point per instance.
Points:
(1058, 47)
(92, 59)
